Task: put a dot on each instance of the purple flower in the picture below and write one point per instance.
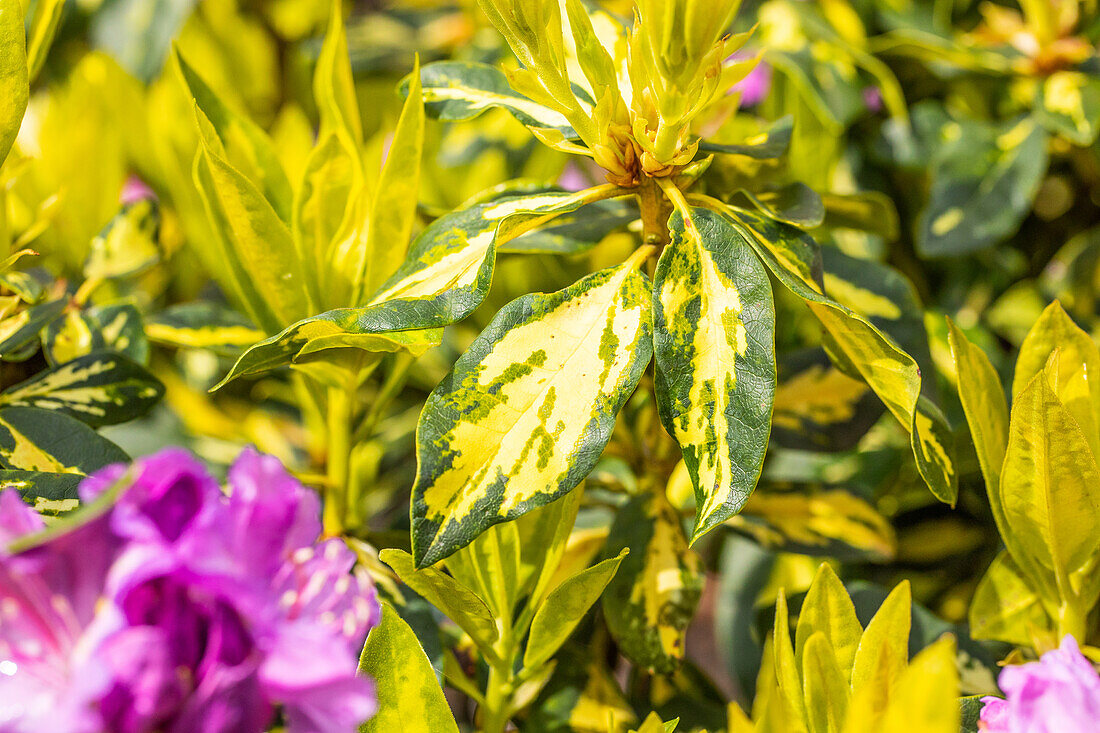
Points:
(872, 99)
(183, 609)
(1058, 694)
(135, 190)
(756, 84)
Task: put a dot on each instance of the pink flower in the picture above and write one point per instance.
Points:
(1058, 694)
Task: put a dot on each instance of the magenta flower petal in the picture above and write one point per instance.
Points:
(16, 517)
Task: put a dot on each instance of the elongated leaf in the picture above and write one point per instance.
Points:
(564, 608)
(98, 389)
(113, 327)
(828, 610)
(39, 487)
(788, 673)
(577, 231)
(409, 697)
(14, 84)
(448, 595)
(1050, 484)
(825, 685)
(1068, 104)
(393, 211)
(714, 341)
(883, 650)
(856, 345)
(47, 17)
(346, 328)
(201, 325)
(247, 146)
(796, 204)
(44, 440)
(461, 90)
(652, 599)
(925, 696)
(450, 265)
(984, 179)
(1075, 382)
(986, 409)
(1006, 607)
(21, 330)
(819, 407)
(527, 410)
(771, 144)
(262, 242)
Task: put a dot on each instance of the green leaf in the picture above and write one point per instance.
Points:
(139, 33)
(1068, 104)
(835, 523)
(14, 84)
(1005, 607)
(970, 709)
(714, 341)
(490, 566)
(47, 17)
(259, 239)
(788, 672)
(564, 608)
(867, 211)
(248, 149)
(45, 440)
(1075, 382)
(527, 410)
(51, 493)
(114, 327)
(458, 602)
(986, 409)
(859, 347)
(577, 231)
(825, 685)
(984, 180)
(795, 203)
(201, 325)
(652, 599)
(766, 146)
(366, 329)
(828, 609)
(409, 697)
(883, 650)
(449, 268)
(1050, 483)
(461, 90)
(333, 84)
(393, 210)
(98, 389)
(21, 330)
(127, 245)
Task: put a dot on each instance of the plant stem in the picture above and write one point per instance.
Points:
(655, 210)
(338, 458)
(498, 695)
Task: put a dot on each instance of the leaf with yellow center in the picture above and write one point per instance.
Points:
(14, 84)
(714, 326)
(527, 410)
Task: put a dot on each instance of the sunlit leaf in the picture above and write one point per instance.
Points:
(14, 85)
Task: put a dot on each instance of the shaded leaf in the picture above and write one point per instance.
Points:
(45, 440)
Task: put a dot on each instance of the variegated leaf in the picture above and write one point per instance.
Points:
(366, 329)
(1069, 105)
(19, 332)
(651, 600)
(984, 178)
(794, 203)
(527, 410)
(102, 388)
(817, 406)
(770, 144)
(202, 325)
(115, 327)
(833, 523)
(14, 84)
(859, 348)
(49, 493)
(461, 90)
(44, 440)
(577, 231)
(127, 245)
(714, 341)
(450, 265)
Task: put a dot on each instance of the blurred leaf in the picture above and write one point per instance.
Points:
(771, 144)
(21, 330)
(1068, 104)
(794, 203)
(201, 325)
(139, 33)
(114, 327)
(127, 245)
(652, 599)
(984, 180)
(47, 17)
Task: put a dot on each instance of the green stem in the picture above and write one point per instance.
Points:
(655, 211)
(340, 403)
(498, 697)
